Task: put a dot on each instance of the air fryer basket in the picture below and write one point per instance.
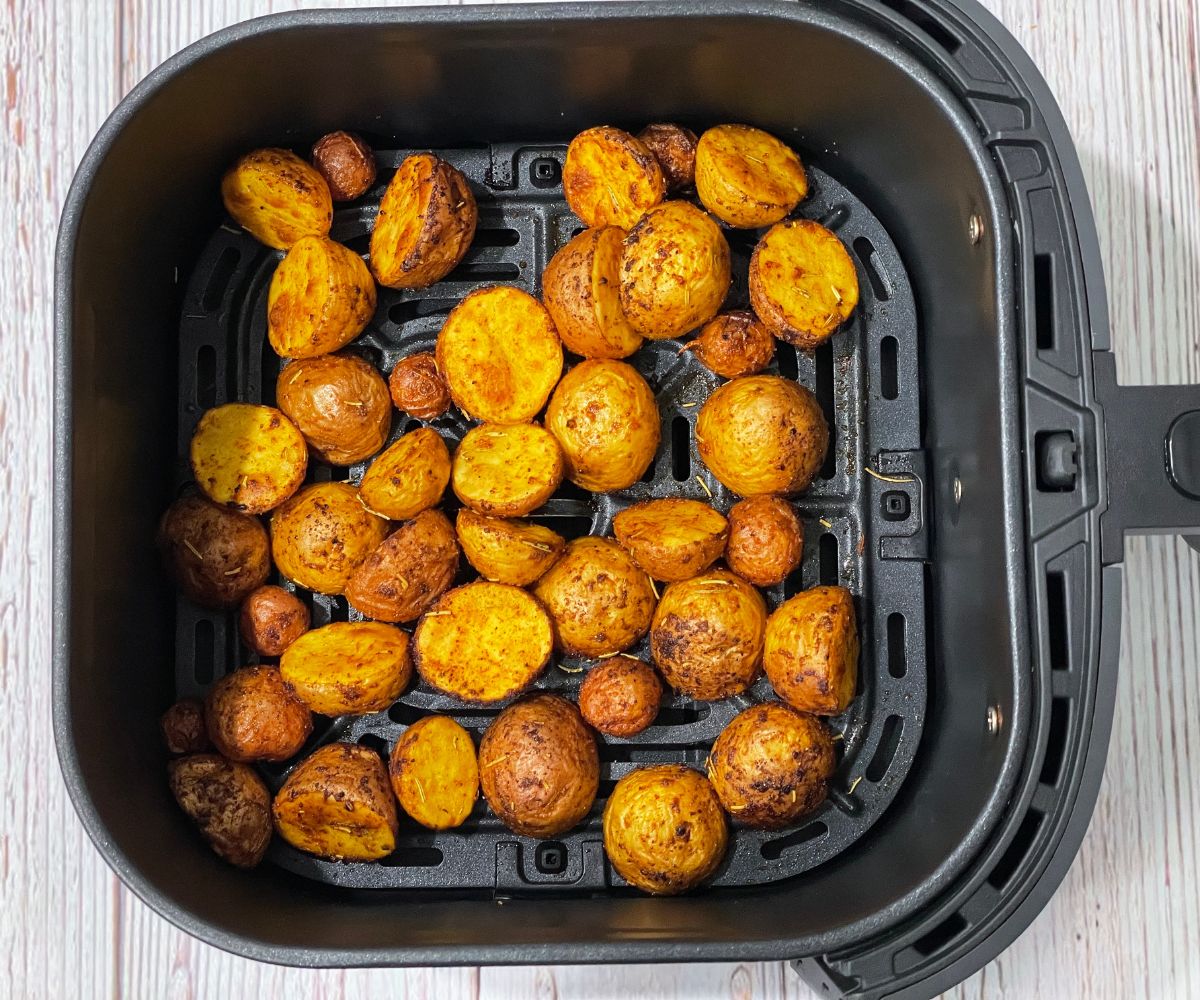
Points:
(978, 372)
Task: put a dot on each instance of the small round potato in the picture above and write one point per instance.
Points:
(672, 539)
(606, 420)
(271, 620)
(434, 772)
(734, 344)
(664, 830)
(620, 697)
(348, 668)
(408, 572)
(766, 540)
(340, 403)
(505, 550)
(506, 470)
(277, 197)
(762, 435)
(183, 727)
(228, 802)
(811, 650)
(746, 177)
(347, 164)
(539, 767)
(251, 714)
(417, 387)
(675, 149)
(248, 457)
(215, 555)
(408, 477)
(610, 178)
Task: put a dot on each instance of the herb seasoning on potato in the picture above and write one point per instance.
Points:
(675, 149)
(506, 470)
(348, 668)
(810, 654)
(216, 555)
(506, 550)
(408, 571)
(277, 197)
(734, 344)
(766, 540)
(746, 177)
(417, 387)
(610, 178)
(620, 696)
(434, 772)
(271, 620)
(227, 801)
(409, 476)
(673, 538)
(183, 727)
(346, 163)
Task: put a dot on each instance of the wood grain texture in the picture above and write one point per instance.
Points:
(1127, 919)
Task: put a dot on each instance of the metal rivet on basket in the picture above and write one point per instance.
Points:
(975, 227)
(956, 486)
(995, 719)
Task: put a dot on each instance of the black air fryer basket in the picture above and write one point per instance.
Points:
(984, 469)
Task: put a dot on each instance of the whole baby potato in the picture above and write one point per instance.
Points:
(734, 344)
(506, 470)
(746, 177)
(215, 555)
(183, 727)
(610, 178)
(347, 164)
(811, 650)
(766, 540)
(348, 668)
(408, 572)
(228, 802)
(277, 197)
(672, 539)
(434, 772)
(248, 457)
(271, 620)
(418, 388)
(251, 714)
(507, 550)
(340, 403)
(675, 149)
(409, 476)
(620, 697)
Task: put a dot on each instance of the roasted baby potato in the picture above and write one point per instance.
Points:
(499, 355)
(425, 224)
(228, 802)
(483, 642)
(672, 539)
(766, 540)
(348, 668)
(803, 285)
(810, 654)
(319, 537)
(581, 289)
(417, 387)
(340, 403)
(271, 620)
(346, 163)
(746, 177)
(277, 197)
(248, 457)
(408, 572)
(183, 728)
(734, 344)
(251, 714)
(506, 470)
(675, 149)
(707, 635)
(606, 420)
(610, 178)
(675, 271)
(322, 296)
(601, 602)
(762, 435)
(539, 767)
(505, 550)
(664, 830)
(434, 772)
(620, 697)
(215, 555)
(337, 804)
(409, 477)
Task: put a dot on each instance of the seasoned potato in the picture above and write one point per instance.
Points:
(707, 635)
(215, 555)
(746, 177)
(506, 469)
(672, 539)
(664, 830)
(675, 149)
(322, 296)
(228, 802)
(337, 804)
(251, 714)
(484, 642)
(507, 551)
(409, 477)
(762, 435)
(803, 285)
(771, 765)
(620, 697)
(425, 224)
(581, 289)
(601, 602)
(340, 403)
(606, 420)
(277, 197)
(182, 727)
(319, 537)
(734, 344)
(434, 772)
(346, 163)
(766, 540)
(539, 767)
(811, 651)
(408, 572)
(348, 668)
(247, 456)
(271, 620)
(610, 178)
(675, 271)
(417, 387)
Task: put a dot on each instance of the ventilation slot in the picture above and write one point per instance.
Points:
(866, 253)
(897, 659)
(886, 750)
(218, 280)
(785, 354)
(1043, 300)
(1056, 741)
(824, 393)
(411, 309)
(772, 849)
(496, 238)
(926, 22)
(605, 788)
(941, 935)
(485, 271)
(1056, 620)
(681, 449)
(568, 525)
(828, 553)
(406, 715)
(202, 667)
(376, 743)
(412, 425)
(206, 376)
(413, 857)
(889, 376)
(794, 583)
(681, 716)
(1011, 860)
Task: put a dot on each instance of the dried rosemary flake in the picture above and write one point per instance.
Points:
(498, 760)
(607, 656)
(195, 551)
(887, 479)
(654, 587)
(403, 582)
(825, 523)
(690, 345)
(569, 670)
(540, 546)
(704, 486)
(853, 785)
(838, 736)
(836, 294)
(435, 614)
(233, 572)
(420, 787)
(688, 406)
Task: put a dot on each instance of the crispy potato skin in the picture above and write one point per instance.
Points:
(610, 178)
(620, 697)
(505, 550)
(408, 477)
(664, 830)
(348, 668)
(337, 804)
(707, 635)
(251, 714)
(771, 765)
(500, 355)
(277, 197)
(248, 457)
(228, 802)
(434, 772)
(506, 470)
(340, 403)
(182, 727)
(417, 387)
(811, 651)
(803, 285)
(408, 572)
(734, 344)
(672, 539)
(215, 555)
(347, 164)
(746, 177)
(425, 225)
(271, 619)
(539, 766)
(766, 540)
(675, 149)
(762, 435)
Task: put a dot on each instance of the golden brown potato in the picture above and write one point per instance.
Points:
(762, 435)
(539, 766)
(408, 572)
(620, 697)
(409, 477)
(675, 149)
(277, 197)
(734, 344)
(322, 296)
(417, 387)
(434, 772)
(606, 420)
(803, 285)
(425, 225)
(771, 765)
(811, 651)
(271, 620)
(601, 602)
(348, 668)
(183, 728)
(319, 537)
(483, 642)
(337, 804)
(340, 403)
(251, 714)
(675, 271)
(346, 163)
(610, 178)
(248, 457)
(228, 802)
(707, 635)
(672, 539)
(507, 551)
(215, 555)
(664, 830)
(766, 540)
(747, 177)
(506, 470)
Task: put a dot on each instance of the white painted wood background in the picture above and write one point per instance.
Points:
(1126, 922)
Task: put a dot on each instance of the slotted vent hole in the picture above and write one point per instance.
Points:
(865, 250)
(1011, 860)
(785, 355)
(1056, 620)
(897, 657)
(893, 727)
(889, 374)
(681, 449)
(205, 649)
(773, 849)
(824, 393)
(941, 935)
(413, 857)
(1056, 741)
(828, 559)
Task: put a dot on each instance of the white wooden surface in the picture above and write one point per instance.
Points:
(1126, 922)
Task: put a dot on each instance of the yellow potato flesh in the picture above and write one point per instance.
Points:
(610, 178)
(348, 668)
(409, 476)
(507, 470)
(434, 772)
(248, 457)
(746, 177)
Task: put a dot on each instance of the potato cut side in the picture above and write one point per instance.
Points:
(435, 773)
(408, 572)
(340, 403)
(507, 470)
(746, 177)
(505, 550)
(277, 197)
(248, 457)
(348, 668)
(672, 539)
(611, 178)
(409, 476)
(811, 650)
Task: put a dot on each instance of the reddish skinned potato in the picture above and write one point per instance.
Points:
(347, 164)
(183, 727)
(271, 620)
(340, 403)
(675, 149)
(610, 178)
(251, 714)
(734, 344)
(408, 572)
(228, 802)
(766, 540)
(215, 555)
(811, 650)
(620, 697)
(417, 387)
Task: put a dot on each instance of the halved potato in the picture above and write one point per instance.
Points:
(610, 178)
(507, 551)
(811, 651)
(248, 457)
(675, 149)
(734, 344)
(277, 197)
(408, 572)
(506, 470)
(746, 177)
(340, 403)
(408, 477)
(348, 668)
(434, 772)
(672, 539)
